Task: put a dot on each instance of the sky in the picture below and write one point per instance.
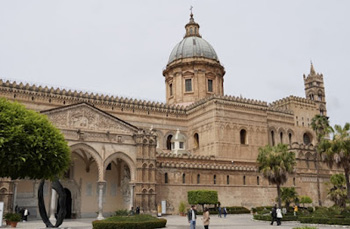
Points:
(120, 48)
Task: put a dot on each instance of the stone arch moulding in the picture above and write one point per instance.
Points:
(89, 149)
(128, 160)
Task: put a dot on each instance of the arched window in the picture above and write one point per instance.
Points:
(109, 166)
(243, 136)
(210, 85)
(306, 139)
(293, 181)
(166, 178)
(214, 179)
(281, 137)
(196, 140)
(243, 180)
(168, 142)
(191, 31)
(228, 179)
(258, 180)
(321, 111)
(272, 137)
(290, 138)
(184, 178)
(311, 96)
(198, 178)
(171, 89)
(319, 97)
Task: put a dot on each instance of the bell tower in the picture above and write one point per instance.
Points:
(193, 71)
(314, 89)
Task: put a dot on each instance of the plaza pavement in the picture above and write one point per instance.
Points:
(179, 222)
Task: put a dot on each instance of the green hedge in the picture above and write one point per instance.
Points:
(130, 222)
(202, 197)
(319, 220)
(261, 208)
(268, 217)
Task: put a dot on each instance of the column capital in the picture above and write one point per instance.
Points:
(101, 182)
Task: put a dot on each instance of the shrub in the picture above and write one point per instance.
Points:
(13, 217)
(261, 208)
(130, 222)
(123, 212)
(319, 220)
(306, 227)
(268, 217)
(182, 207)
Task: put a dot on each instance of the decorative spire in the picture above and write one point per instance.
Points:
(192, 28)
(312, 70)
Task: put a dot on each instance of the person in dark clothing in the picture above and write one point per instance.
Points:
(137, 210)
(273, 215)
(192, 216)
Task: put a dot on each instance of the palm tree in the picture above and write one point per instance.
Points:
(275, 163)
(288, 195)
(320, 125)
(336, 151)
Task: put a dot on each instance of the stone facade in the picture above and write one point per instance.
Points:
(128, 152)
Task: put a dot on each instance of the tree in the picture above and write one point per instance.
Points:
(320, 125)
(275, 163)
(305, 200)
(337, 192)
(30, 146)
(288, 195)
(202, 197)
(336, 151)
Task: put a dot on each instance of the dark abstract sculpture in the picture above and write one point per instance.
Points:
(56, 185)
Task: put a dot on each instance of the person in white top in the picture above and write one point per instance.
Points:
(279, 216)
(192, 216)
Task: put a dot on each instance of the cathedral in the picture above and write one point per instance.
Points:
(133, 153)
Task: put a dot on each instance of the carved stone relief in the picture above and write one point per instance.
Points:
(84, 117)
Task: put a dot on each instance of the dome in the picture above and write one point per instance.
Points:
(193, 46)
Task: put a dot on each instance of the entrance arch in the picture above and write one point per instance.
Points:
(119, 174)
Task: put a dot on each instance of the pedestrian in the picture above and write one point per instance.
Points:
(273, 215)
(132, 212)
(295, 210)
(25, 214)
(225, 212)
(206, 218)
(192, 216)
(219, 211)
(279, 216)
(137, 210)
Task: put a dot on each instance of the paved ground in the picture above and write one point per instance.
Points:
(178, 222)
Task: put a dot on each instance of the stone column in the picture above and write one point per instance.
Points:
(15, 183)
(101, 185)
(132, 196)
(53, 204)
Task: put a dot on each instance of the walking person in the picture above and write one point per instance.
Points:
(279, 216)
(225, 212)
(192, 216)
(206, 218)
(25, 214)
(219, 211)
(273, 215)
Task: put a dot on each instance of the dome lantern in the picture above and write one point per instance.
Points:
(192, 28)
